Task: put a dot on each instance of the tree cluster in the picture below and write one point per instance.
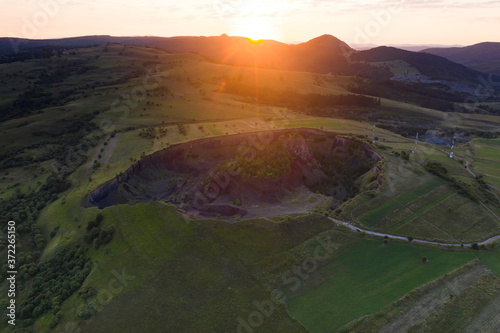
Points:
(55, 281)
(271, 161)
(96, 235)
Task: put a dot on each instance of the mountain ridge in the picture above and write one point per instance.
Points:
(325, 54)
(483, 57)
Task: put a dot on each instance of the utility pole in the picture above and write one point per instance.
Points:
(452, 145)
(373, 134)
(414, 151)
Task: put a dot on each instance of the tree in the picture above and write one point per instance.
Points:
(405, 155)
(99, 217)
(410, 238)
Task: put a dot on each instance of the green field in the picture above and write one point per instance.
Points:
(423, 208)
(487, 160)
(472, 290)
(368, 276)
(391, 204)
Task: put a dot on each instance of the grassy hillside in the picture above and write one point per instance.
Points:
(427, 64)
(481, 57)
(214, 271)
(488, 160)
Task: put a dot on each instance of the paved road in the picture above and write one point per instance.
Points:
(355, 228)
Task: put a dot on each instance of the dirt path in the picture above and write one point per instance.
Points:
(105, 155)
(109, 149)
(469, 170)
(488, 320)
(494, 193)
(434, 299)
(489, 210)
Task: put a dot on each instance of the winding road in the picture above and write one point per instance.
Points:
(421, 241)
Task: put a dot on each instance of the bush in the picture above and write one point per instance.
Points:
(436, 168)
(405, 155)
(99, 217)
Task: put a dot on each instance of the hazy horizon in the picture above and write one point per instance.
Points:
(381, 22)
(354, 45)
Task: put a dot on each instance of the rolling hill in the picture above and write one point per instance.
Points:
(321, 54)
(484, 57)
(429, 65)
(324, 54)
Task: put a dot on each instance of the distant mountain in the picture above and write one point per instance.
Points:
(323, 54)
(407, 47)
(418, 47)
(428, 64)
(483, 57)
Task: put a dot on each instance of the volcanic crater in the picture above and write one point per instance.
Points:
(246, 175)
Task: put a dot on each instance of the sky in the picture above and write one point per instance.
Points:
(379, 22)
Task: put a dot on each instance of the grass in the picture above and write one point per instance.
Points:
(314, 123)
(458, 220)
(366, 278)
(435, 306)
(491, 259)
(374, 216)
(215, 131)
(487, 161)
(423, 209)
(469, 304)
(180, 273)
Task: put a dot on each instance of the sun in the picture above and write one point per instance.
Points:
(256, 28)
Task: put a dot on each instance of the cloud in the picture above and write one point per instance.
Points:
(489, 19)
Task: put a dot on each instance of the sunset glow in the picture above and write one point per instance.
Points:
(368, 22)
(256, 29)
